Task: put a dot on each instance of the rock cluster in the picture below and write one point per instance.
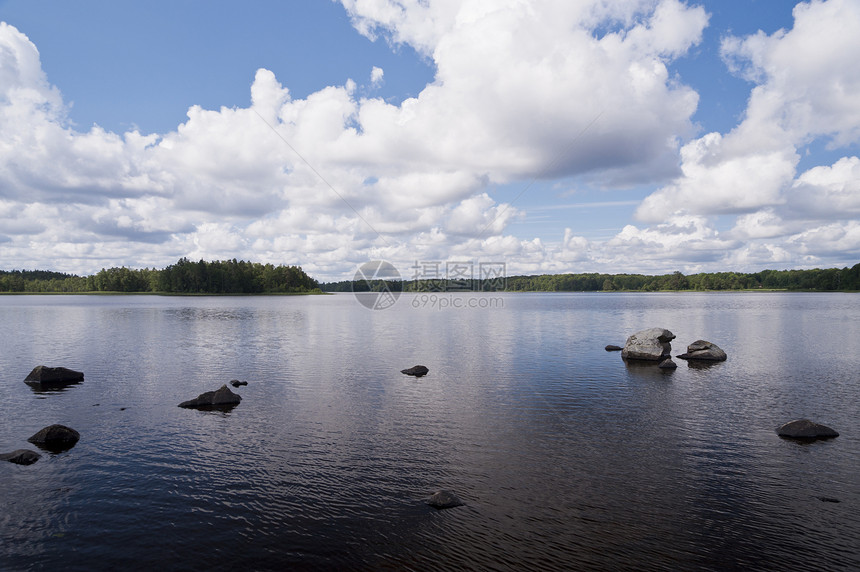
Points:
(654, 344)
(53, 438)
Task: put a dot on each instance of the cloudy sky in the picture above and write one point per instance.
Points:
(553, 135)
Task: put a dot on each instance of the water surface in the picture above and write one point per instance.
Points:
(565, 456)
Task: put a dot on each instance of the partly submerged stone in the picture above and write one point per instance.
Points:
(417, 370)
(667, 363)
(21, 457)
(704, 350)
(44, 376)
(237, 383)
(444, 499)
(55, 438)
(805, 429)
(221, 397)
(651, 344)
(612, 348)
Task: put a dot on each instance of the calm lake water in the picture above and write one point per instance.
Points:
(565, 457)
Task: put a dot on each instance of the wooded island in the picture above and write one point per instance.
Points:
(184, 277)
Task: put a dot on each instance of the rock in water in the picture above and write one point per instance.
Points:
(222, 397)
(417, 371)
(651, 344)
(611, 348)
(43, 376)
(237, 383)
(444, 499)
(55, 438)
(667, 364)
(21, 457)
(805, 429)
(704, 350)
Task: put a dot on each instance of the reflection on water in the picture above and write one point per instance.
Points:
(565, 456)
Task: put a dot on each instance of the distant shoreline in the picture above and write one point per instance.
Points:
(240, 278)
(168, 294)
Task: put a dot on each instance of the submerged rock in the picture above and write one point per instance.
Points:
(805, 429)
(55, 438)
(21, 457)
(444, 499)
(43, 376)
(222, 397)
(237, 383)
(667, 364)
(417, 371)
(704, 350)
(611, 348)
(651, 344)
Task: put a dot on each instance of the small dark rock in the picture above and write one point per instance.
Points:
(55, 438)
(827, 499)
(42, 377)
(667, 364)
(611, 348)
(805, 429)
(237, 383)
(417, 371)
(704, 350)
(21, 457)
(222, 397)
(444, 499)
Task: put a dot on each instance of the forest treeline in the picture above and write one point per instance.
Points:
(828, 279)
(240, 277)
(184, 277)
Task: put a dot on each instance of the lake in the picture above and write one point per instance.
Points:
(565, 456)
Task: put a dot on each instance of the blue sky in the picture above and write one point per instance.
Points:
(634, 136)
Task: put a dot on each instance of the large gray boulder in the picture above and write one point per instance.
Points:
(805, 429)
(21, 457)
(55, 438)
(651, 344)
(704, 350)
(444, 499)
(221, 397)
(44, 376)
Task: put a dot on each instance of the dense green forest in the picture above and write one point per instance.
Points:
(184, 277)
(829, 279)
(240, 277)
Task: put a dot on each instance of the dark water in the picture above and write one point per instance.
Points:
(565, 457)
